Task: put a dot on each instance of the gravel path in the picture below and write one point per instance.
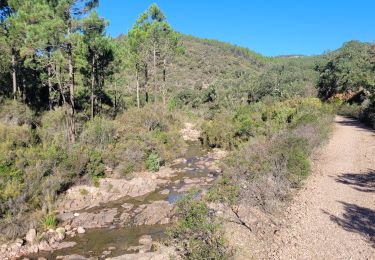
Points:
(333, 217)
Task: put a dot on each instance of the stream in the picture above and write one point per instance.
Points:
(119, 237)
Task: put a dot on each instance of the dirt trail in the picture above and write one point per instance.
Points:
(333, 217)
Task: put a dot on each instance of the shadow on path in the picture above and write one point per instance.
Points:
(364, 182)
(346, 121)
(356, 219)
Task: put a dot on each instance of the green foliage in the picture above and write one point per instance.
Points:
(296, 150)
(83, 192)
(274, 140)
(53, 128)
(346, 70)
(225, 191)
(172, 104)
(197, 234)
(248, 103)
(49, 221)
(349, 110)
(153, 162)
(228, 130)
(97, 133)
(95, 165)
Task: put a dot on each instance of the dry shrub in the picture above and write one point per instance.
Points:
(16, 113)
(259, 174)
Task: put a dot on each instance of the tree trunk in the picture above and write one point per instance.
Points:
(92, 86)
(164, 79)
(71, 110)
(138, 103)
(49, 74)
(23, 89)
(146, 82)
(14, 74)
(154, 73)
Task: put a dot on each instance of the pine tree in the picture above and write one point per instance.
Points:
(152, 41)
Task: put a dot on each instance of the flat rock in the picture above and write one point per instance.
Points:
(163, 253)
(63, 245)
(95, 220)
(164, 192)
(73, 257)
(74, 198)
(127, 206)
(158, 212)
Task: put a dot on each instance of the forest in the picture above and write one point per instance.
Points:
(77, 105)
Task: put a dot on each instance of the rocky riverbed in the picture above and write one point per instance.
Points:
(120, 215)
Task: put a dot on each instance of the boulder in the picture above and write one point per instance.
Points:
(44, 246)
(145, 240)
(189, 133)
(65, 217)
(81, 230)
(125, 218)
(31, 236)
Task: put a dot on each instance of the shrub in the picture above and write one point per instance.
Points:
(259, 175)
(53, 129)
(15, 113)
(349, 110)
(83, 192)
(276, 157)
(139, 131)
(224, 190)
(153, 162)
(97, 133)
(95, 166)
(296, 152)
(220, 132)
(172, 104)
(197, 233)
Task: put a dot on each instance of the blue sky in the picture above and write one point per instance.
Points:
(268, 27)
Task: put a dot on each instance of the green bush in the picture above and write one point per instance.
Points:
(153, 162)
(15, 113)
(349, 110)
(97, 133)
(53, 128)
(95, 166)
(274, 144)
(297, 151)
(197, 233)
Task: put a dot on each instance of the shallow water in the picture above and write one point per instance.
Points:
(95, 241)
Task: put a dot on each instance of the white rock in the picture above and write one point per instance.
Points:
(18, 242)
(44, 246)
(81, 230)
(31, 235)
(60, 233)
